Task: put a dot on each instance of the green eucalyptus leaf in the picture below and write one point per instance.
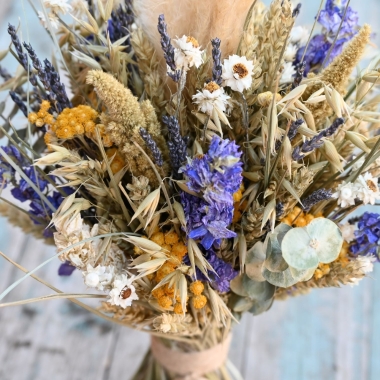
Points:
(237, 286)
(240, 304)
(274, 260)
(254, 262)
(328, 238)
(298, 251)
(284, 279)
(258, 291)
(261, 307)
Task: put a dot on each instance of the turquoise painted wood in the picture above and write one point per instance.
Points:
(328, 334)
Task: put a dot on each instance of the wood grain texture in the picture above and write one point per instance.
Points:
(331, 334)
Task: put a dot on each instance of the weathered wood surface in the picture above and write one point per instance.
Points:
(329, 334)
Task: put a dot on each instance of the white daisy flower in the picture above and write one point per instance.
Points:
(212, 96)
(348, 232)
(187, 53)
(288, 73)
(99, 277)
(290, 52)
(54, 22)
(58, 6)
(299, 35)
(346, 194)
(367, 188)
(123, 292)
(237, 73)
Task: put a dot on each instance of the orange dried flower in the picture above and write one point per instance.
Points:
(197, 288)
(199, 301)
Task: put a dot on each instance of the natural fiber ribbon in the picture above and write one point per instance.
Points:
(190, 365)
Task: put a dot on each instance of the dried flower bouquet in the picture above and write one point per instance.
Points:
(192, 178)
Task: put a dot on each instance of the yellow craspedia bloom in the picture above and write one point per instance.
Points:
(179, 250)
(199, 301)
(65, 132)
(32, 117)
(171, 238)
(158, 238)
(197, 288)
(165, 302)
(298, 218)
(158, 293)
(178, 308)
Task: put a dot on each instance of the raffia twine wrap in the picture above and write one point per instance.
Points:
(190, 365)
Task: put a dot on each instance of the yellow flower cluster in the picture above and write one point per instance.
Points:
(199, 300)
(176, 249)
(324, 269)
(298, 218)
(71, 122)
(238, 207)
(43, 116)
(75, 121)
(118, 162)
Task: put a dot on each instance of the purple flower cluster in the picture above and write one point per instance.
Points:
(120, 23)
(367, 235)
(215, 176)
(39, 212)
(330, 18)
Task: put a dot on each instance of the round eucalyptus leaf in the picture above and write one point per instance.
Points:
(327, 239)
(253, 271)
(281, 279)
(237, 286)
(240, 304)
(261, 307)
(274, 260)
(256, 253)
(258, 291)
(298, 249)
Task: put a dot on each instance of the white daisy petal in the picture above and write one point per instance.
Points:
(237, 73)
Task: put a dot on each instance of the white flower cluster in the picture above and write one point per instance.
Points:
(72, 231)
(366, 266)
(187, 53)
(365, 188)
(348, 232)
(298, 38)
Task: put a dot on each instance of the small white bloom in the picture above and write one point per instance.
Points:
(54, 22)
(187, 53)
(58, 6)
(99, 277)
(288, 73)
(346, 194)
(123, 292)
(348, 232)
(290, 52)
(299, 35)
(212, 96)
(367, 188)
(366, 266)
(237, 73)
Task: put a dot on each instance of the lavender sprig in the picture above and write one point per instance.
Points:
(18, 101)
(291, 134)
(280, 208)
(151, 144)
(4, 74)
(23, 58)
(177, 144)
(297, 10)
(217, 65)
(120, 22)
(168, 49)
(317, 141)
(316, 197)
(299, 74)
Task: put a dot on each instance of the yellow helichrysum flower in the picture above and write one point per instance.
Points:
(199, 301)
(197, 288)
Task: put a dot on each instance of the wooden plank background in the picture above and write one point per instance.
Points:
(329, 334)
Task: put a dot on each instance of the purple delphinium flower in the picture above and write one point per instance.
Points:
(223, 272)
(206, 222)
(367, 235)
(65, 269)
(7, 173)
(217, 174)
(330, 18)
